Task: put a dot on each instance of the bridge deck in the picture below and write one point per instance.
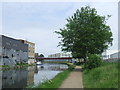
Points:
(54, 58)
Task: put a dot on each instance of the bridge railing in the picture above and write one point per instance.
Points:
(53, 58)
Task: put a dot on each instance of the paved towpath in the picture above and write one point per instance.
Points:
(74, 80)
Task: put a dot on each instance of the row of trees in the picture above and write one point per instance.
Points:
(42, 56)
(86, 32)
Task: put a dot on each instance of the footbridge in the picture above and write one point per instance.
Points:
(69, 59)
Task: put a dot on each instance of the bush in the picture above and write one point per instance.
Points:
(71, 66)
(93, 61)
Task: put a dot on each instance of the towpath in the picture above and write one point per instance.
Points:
(74, 80)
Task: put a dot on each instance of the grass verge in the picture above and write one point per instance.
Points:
(57, 80)
(17, 66)
(105, 76)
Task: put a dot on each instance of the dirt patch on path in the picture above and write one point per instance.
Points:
(74, 80)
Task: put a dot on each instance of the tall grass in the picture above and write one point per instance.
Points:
(105, 76)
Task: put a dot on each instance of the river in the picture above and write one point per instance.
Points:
(30, 76)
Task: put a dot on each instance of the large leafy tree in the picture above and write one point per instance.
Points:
(41, 55)
(85, 32)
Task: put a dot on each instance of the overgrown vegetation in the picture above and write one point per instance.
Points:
(105, 76)
(93, 61)
(17, 66)
(57, 80)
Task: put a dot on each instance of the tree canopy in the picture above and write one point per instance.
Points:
(41, 55)
(85, 32)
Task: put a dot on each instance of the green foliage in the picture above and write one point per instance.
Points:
(41, 55)
(93, 61)
(85, 32)
(4, 66)
(71, 67)
(105, 76)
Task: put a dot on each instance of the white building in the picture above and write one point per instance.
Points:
(105, 55)
(59, 55)
(115, 55)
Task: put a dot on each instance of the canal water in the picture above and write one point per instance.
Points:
(30, 76)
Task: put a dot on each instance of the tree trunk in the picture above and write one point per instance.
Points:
(84, 59)
(79, 59)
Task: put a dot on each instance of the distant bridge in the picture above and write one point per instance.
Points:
(57, 59)
(53, 58)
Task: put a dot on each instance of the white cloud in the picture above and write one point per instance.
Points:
(59, 0)
(0, 18)
(36, 22)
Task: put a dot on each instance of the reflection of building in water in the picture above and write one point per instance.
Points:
(30, 77)
(36, 69)
(14, 78)
(12, 51)
(58, 67)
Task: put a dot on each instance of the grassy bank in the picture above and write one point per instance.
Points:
(105, 76)
(17, 66)
(57, 80)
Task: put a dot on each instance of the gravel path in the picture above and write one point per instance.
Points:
(74, 79)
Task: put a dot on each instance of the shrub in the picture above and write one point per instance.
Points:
(71, 66)
(93, 61)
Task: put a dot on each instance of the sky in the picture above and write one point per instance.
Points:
(37, 21)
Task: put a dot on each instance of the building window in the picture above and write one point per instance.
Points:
(7, 43)
(12, 55)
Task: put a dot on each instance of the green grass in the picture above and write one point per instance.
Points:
(57, 80)
(105, 76)
(4, 66)
(17, 66)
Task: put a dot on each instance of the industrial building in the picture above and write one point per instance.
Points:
(31, 51)
(115, 55)
(59, 55)
(12, 51)
(105, 55)
(36, 55)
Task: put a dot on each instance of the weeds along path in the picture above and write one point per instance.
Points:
(74, 80)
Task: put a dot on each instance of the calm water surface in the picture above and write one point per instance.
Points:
(32, 75)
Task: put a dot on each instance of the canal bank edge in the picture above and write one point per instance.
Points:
(18, 66)
(57, 80)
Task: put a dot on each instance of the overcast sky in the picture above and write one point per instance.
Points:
(37, 21)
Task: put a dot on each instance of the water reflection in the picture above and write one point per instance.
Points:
(32, 75)
(14, 78)
(30, 78)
